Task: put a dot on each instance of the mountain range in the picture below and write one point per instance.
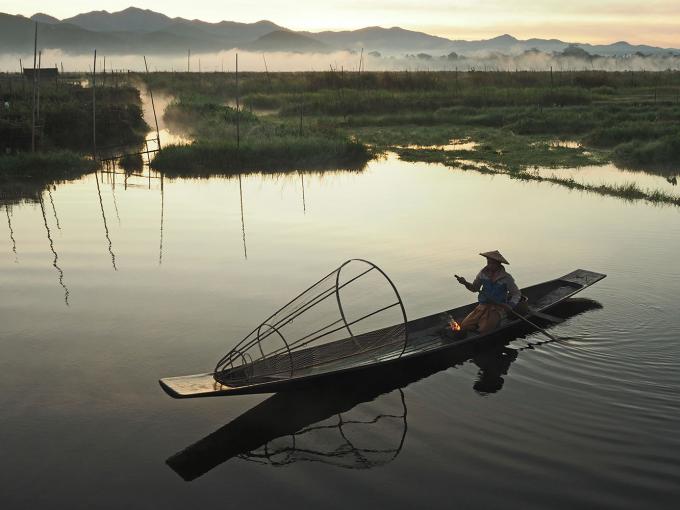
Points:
(137, 31)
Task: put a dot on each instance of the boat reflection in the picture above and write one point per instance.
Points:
(345, 440)
(314, 425)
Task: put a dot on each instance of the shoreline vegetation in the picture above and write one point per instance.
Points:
(57, 164)
(516, 121)
(269, 155)
(628, 191)
(628, 118)
(63, 112)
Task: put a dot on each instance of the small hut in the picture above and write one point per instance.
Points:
(43, 73)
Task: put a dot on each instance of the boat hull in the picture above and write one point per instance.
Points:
(425, 340)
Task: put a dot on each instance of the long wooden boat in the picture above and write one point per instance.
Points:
(292, 414)
(304, 361)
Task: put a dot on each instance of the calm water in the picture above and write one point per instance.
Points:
(103, 297)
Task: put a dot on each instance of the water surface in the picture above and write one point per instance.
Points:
(109, 286)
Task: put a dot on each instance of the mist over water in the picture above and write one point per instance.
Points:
(224, 61)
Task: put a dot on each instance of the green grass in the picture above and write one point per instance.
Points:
(496, 148)
(628, 191)
(269, 155)
(630, 118)
(65, 120)
(58, 164)
(131, 162)
(660, 152)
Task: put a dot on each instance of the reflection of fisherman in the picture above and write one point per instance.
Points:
(498, 294)
(493, 365)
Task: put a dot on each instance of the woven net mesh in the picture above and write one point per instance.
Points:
(369, 435)
(353, 315)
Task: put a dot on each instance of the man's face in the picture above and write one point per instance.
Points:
(492, 265)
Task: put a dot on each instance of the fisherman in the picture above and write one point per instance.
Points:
(498, 295)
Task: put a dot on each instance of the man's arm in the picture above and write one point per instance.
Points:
(476, 283)
(472, 287)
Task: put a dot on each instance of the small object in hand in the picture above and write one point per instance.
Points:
(460, 279)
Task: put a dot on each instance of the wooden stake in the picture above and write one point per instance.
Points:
(238, 131)
(153, 107)
(94, 104)
(37, 102)
(35, 51)
(266, 70)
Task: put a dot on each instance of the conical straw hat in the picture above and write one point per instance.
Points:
(495, 255)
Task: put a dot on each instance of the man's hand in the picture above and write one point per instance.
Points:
(461, 280)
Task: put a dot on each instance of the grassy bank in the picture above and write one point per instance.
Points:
(627, 118)
(630, 118)
(58, 164)
(269, 155)
(64, 120)
(25, 176)
(464, 160)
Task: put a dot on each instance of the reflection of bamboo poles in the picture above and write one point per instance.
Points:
(54, 210)
(56, 257)
(304, 204)
(113, 193)
(11, 235)
(160, 250)
(106, 228)
(243, 224)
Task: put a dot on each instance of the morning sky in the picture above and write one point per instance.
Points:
(653, 22)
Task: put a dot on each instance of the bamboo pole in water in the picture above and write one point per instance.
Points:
(37, 102)
(266, 70)
(153, 107)
(35, 51)
(94, 104)
(238, 131)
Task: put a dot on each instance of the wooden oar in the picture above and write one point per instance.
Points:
(553, 338)
(545, 316)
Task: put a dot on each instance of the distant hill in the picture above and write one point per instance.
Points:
(131, 19)
(176, 36)
(44, 18)
(136, 31)
(284, 40)
(389, 40)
